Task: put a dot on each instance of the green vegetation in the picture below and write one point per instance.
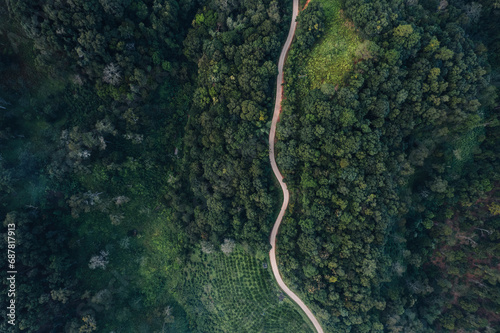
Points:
(134, 165)
(378, 164)
(227, 176)
(83, 178)
(335, 53)
(464, 264)
(101, 181)
(69, 210)
(463, 150)
(235, 293)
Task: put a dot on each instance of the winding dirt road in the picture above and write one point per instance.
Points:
(286, 195)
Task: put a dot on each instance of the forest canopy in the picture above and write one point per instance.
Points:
(382, 165)
(134, 164)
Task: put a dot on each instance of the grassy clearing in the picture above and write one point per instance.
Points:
(334, 54)
(463, 151)
(235, 293)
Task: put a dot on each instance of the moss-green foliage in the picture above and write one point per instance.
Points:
(234, 293)
(463, 149)
(334, 54)
(356, 235)
(39, 179)
(228, 165)
(90, 161)
(134, 36)
(143, 270)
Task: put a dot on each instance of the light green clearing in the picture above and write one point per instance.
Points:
(234, 293)
(464, 148)
(334, 54)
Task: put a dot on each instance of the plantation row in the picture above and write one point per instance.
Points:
(235, 293)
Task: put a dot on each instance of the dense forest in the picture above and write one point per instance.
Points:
(226, 138)
(134, 165)
(393, 225)
(94, 98)
(108, 168)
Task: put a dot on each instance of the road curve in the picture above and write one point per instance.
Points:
(286, 195)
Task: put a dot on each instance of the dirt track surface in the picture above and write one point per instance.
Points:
(286, 195)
